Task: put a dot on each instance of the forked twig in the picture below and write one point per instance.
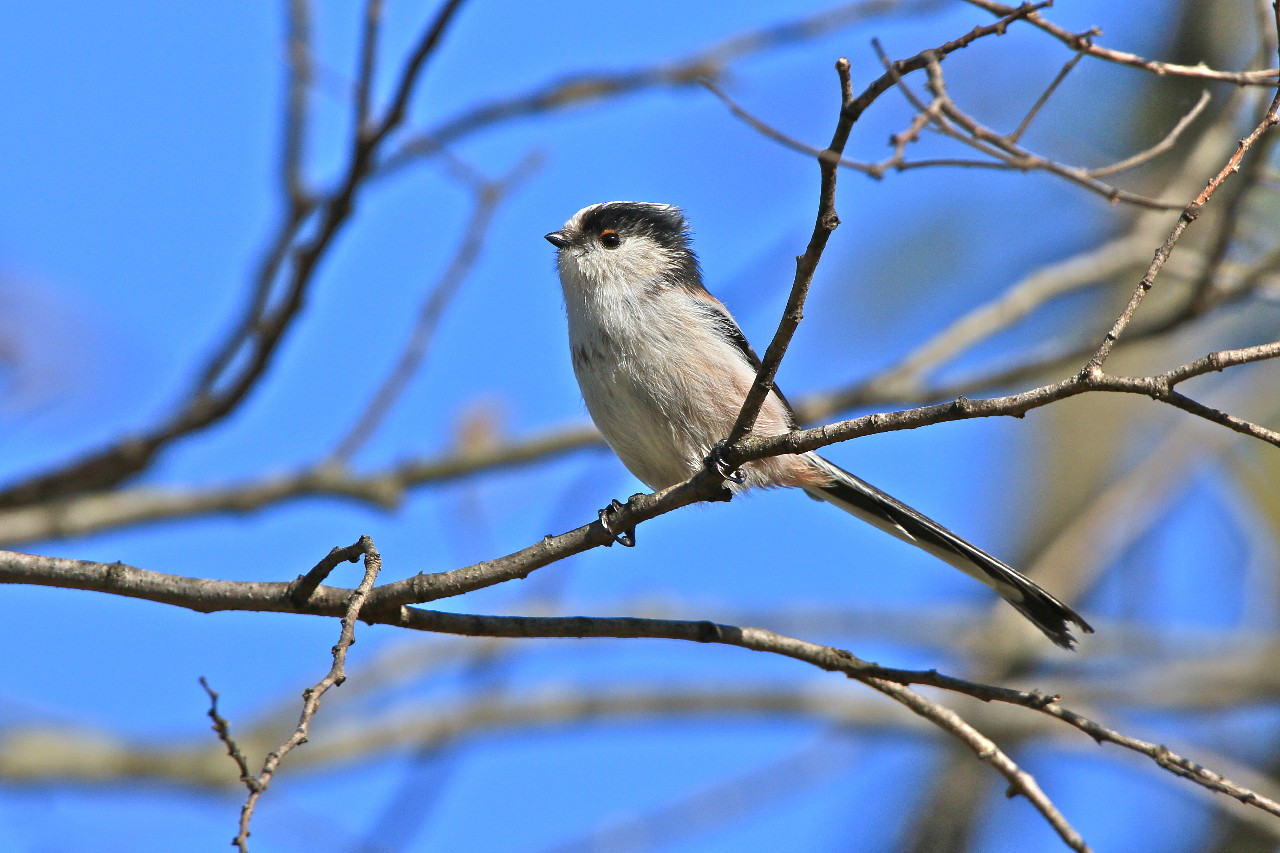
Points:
(257, 784)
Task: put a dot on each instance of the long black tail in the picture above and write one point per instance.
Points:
(881, 510)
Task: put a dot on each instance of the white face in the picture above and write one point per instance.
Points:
(621, 246)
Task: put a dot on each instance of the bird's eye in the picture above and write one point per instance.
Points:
(610, 239)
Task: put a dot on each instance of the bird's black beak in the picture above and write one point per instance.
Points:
(557, 239)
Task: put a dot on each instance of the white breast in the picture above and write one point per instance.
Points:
(661, 385)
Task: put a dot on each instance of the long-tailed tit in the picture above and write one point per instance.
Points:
(664, 370)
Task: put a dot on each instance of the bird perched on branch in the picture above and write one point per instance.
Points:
(664, 370)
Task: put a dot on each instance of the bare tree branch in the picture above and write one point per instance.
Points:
(208, 595)
(851, 109)
(369, 33)
(297, 103)
(257, 785)
(1189, 214)
(1083, 42)
(806, 264)
(237, 366)
(1169, 140)
(384, 488)
(1004, 149)
(58, 505)
(585, 88)
(1025, 124)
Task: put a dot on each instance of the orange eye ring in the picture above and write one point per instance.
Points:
(610, 239)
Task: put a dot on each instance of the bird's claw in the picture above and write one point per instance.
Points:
(625, 538)
(723, 468)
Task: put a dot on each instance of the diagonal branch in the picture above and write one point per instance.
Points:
(234, 370)
(1189, 215)
(806, 264)
(1083, 42)
(851, 109)
(258, 784)
(489, 195)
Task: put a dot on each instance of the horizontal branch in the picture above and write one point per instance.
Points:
(215, 595)
(385, 488)
(1159, 387)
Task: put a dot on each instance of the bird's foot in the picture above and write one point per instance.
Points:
(625, 537)
(723, 468)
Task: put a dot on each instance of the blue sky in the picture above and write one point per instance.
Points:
(139, 185)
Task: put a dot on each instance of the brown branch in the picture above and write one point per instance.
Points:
(1003, 148)
(1083, 42)
(1189, 214)
(304, 586)
(258, 784)
(827, 220)
(210, 595)
(1025, 124)
(248, 351)
(370, 30)
(771, 132)
(249, 348)
(1170, 139)
(581, 89)
(223, 729)
(91, 757)
(904, 380)
(386, 488)
(806, 265)
(1252, 172)
(383, 488)
(1020, 781)
(301, 73)
(1159, 387)
(217, 594)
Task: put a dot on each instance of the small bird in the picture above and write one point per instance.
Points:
(664, 370)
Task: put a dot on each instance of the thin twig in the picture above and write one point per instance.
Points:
(851, 109)
(223, 729)
(258, 785)
(585, 88)
(237, 366)
(301, 73)
(1189, 214)
(1084, 42)
(1045, 96)
(489, 195)
(962, 127)
(771, 132)
(1170, 139)
(1204, 287)
(368, 60)
(1006, 154)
